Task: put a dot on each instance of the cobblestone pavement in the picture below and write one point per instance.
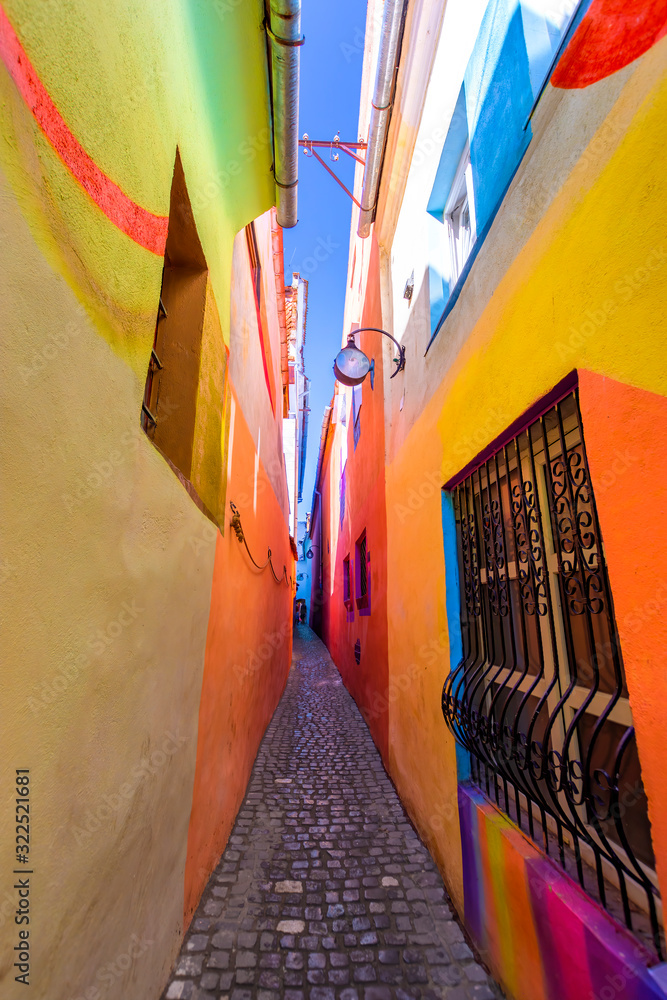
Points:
(324, 892)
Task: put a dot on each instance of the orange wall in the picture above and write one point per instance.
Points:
(626, 443)
(248, 653)
(364, 509)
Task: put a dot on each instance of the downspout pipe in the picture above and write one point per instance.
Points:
(284, 33)
(390, 37)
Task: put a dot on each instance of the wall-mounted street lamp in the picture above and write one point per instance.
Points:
(352, 366)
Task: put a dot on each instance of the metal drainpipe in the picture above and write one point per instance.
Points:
(284, 33)
(392, 21)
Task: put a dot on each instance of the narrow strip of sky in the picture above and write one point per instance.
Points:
(317, 247)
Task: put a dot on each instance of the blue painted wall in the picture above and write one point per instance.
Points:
(453, 608)
(511, 57)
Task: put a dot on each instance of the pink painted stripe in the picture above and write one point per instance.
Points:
(145, 228)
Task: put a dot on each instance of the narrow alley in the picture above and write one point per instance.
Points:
(333, 441)
(324, 888)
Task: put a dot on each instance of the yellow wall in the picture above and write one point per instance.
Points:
(579, 281)
(107, 578)
(94, 523)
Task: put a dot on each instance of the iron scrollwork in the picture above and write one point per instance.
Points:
(539, 698)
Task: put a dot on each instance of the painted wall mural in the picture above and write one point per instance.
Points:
(127, 688)
(564, 281)
(145, 228)
(533, 923)
(611, 35)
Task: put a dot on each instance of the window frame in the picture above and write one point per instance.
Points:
(357, 400)
(255, 263)
(461, 198)
(347, 583)
(362, 571)
(260, 308)
(539, 698)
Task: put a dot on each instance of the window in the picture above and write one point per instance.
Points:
(347, 588)
(356, 413)
(260, 307)
(169, 406)
(362, 560)
(255, 266)
(509, 65)
(342, 495)
(459, 217)
(544, 27)
(539, 699)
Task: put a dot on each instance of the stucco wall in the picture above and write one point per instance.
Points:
(116, 596)
(247, 658)
(245, 359)
(564, 280)
(364, 510)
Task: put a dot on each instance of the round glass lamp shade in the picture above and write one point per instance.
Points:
(351, 365)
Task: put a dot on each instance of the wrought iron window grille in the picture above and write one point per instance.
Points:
(363, 569)
(539, 699)
(148, 418)
(347, 590)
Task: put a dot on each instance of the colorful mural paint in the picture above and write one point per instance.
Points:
(557, 283)
(551, 941)
(137, 685)
(611, 35)
(146, 229)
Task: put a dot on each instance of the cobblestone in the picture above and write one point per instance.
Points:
(324, 891)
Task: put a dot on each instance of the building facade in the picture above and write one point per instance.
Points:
(295, 424)
(303, 567)
(143, 394)
(489, 521)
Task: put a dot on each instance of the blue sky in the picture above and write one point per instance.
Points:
(331, 61)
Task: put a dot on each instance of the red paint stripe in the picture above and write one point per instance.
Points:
(145, 228)
(612, 34)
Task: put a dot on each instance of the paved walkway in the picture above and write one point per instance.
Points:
(324, 892)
